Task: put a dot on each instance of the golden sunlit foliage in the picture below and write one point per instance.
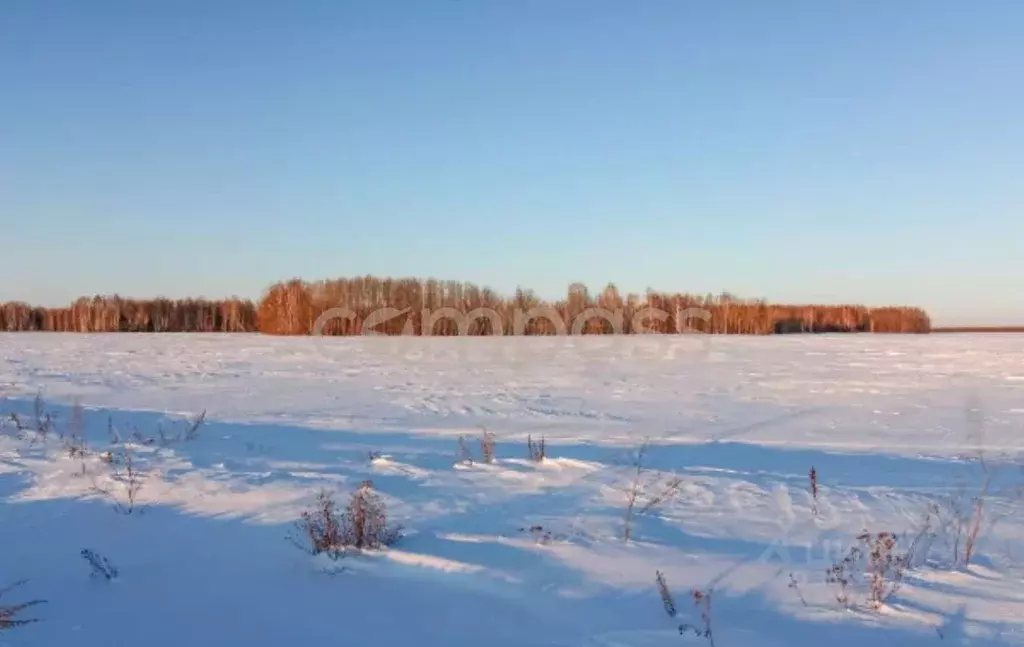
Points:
(353, 306)
(347, 306)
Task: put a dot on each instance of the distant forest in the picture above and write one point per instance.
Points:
(432, 307)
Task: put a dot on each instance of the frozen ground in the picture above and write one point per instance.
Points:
(893, 426)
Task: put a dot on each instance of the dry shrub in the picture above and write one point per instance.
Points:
(74, 439)
(885, 567)
(962, 515)
(666, 595)
(321, 526)
(465, 456)
(973, 510)
(701, 602)
(188, 434)
(813, 476)
(9, 614)
(127, 472)
(487, 447)
(536, 451)
(873, 557)
(793, 584)
(366, 520)
(539, 534)
(362, 525)
(42, 421)
(100, 565)
(653, 493)
(76, 427)
(842, 574)
(128, 479)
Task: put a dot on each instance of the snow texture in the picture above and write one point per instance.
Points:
(899, 430)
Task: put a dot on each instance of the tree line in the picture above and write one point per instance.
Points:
(117, 314)
(350, 306)
(409, 306)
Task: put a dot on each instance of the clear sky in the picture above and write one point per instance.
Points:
(866, 151)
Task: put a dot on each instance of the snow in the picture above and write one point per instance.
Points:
(892, 425)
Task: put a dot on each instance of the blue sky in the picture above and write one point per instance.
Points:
(863, 151)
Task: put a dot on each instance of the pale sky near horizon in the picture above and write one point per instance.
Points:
(846, 151)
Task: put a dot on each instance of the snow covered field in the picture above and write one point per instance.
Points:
(892, 425)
